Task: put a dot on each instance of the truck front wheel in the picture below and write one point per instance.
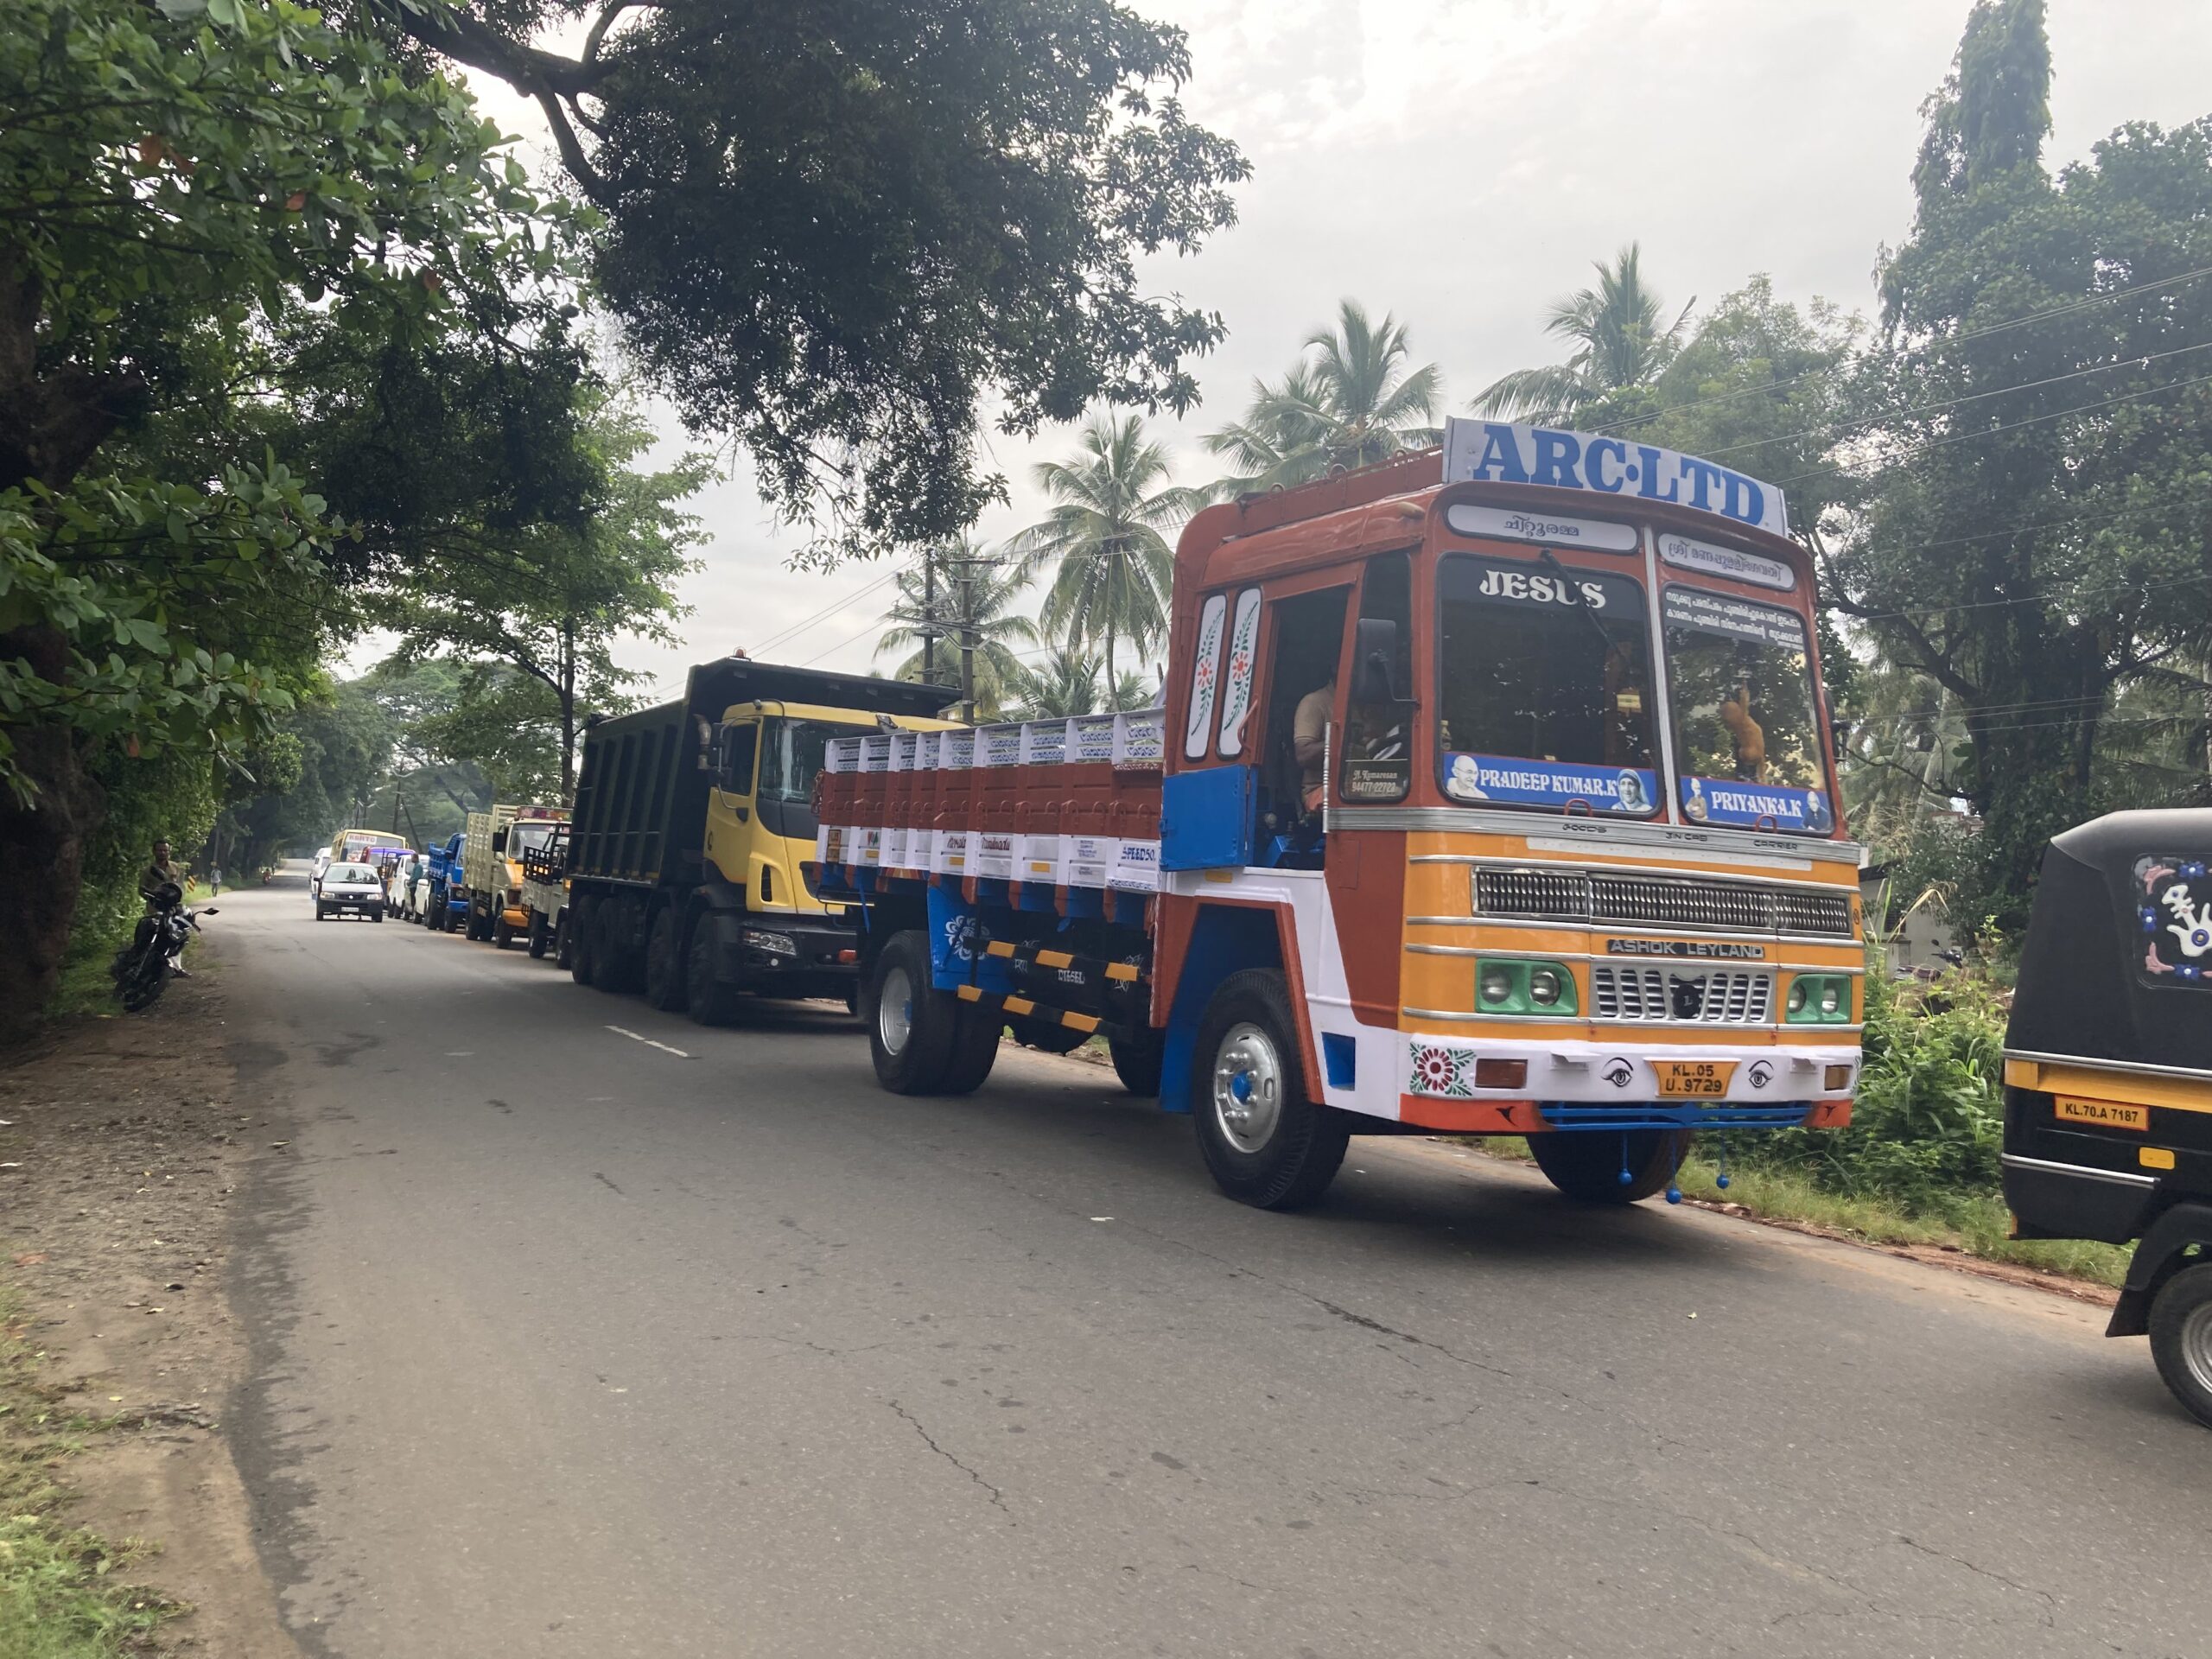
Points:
(1267, 1142)
(710, 1001)
(2180, 1339)
(538, 934)
(665, 962)
(911, 1025)
(502, 934)
(1587, 1165)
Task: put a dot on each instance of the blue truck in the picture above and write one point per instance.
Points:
(448, 909)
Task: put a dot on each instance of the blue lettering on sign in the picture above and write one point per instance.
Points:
(1629, 791)
(1504, 453)
(1762, 806)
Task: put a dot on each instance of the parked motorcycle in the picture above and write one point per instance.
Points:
(143, 969)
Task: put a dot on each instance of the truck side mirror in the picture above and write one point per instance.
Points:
(1375, 664)
(498, 841)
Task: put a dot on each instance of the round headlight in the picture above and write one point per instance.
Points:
(1831, 997)
(1496, 985)
(1544, 986)
(1796, 1004)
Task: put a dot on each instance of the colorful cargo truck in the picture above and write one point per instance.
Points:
(1493, 794)
(694, 823)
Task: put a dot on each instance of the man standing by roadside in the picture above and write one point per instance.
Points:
(160, 871)
(214, 880)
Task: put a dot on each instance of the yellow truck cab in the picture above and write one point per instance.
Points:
(693, 823)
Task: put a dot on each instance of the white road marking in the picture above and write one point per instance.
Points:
(636, 1037)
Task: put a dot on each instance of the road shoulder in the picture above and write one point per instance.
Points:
(125, 1148)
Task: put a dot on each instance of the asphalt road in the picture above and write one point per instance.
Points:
(568, 1344)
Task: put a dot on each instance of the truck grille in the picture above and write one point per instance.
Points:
(1661, 901)
(1723, 997)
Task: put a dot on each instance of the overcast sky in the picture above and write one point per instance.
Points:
(1461, 162)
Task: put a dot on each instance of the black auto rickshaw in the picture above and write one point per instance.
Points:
(2109, 1073)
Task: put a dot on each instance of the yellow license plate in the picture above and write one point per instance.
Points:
(2105, 1114)
(1694, 1079)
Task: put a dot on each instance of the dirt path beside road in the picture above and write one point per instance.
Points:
(120, 1154)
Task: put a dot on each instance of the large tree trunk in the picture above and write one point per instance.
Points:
(41, 849)
(568, 714)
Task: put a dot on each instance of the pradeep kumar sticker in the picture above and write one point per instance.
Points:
(1626, 791)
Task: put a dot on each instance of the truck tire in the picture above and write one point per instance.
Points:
(710, 1001)
(665, 963)
(975, 1048)
(583, 913)
(537, 935)
(911, 1025)
(564, 942)
(613, 958)
(2180, 1339)
(1136, 1061)
(1586, 1164)
(502, 934)
(1266, 1141)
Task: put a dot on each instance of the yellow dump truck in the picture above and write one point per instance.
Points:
(694, 824)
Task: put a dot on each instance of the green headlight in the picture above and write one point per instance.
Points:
(1831, 998)
(1496, 987)
(1796, 1003)
(1818, 1000)
(1544, 987)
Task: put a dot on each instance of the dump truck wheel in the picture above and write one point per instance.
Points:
(665, 965)
(1586, 1164)
(711, 1002)
(583, 915)
(1136, 1061)
(614, 958)
(1267, 1142)
(911, 1025)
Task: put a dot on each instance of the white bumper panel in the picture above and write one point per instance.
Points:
(1443, 1068)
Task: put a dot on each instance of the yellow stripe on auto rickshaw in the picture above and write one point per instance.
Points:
(2095, 1083)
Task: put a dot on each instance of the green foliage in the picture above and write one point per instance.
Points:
(2029, 538)
(1352, 399)
(1621, 340)
(1929, 1122)
(836, 230)
(115, 572)
(964, 594)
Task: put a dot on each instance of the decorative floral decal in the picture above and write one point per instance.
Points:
(1236, 697)
(1440, 1070)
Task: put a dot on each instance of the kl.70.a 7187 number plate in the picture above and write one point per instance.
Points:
(1693, 1079)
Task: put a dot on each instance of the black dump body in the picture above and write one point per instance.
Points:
(641, 796)
(2104, 973)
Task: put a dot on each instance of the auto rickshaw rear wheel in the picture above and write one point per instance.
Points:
(2180, 1339)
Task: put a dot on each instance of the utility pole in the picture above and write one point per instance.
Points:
(929, 616)
(965, 619)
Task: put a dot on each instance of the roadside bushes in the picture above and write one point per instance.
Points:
(1925, 1133)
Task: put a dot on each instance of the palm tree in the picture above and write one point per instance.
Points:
(1105, 540)
(1349, 401)
(1066, 683)
(1618, 339)
(958, 590)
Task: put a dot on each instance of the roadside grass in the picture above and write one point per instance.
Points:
(59, 1598)
(86, 987)
(1972, 1223)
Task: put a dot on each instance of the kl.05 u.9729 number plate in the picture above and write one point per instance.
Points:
(1694, 1079)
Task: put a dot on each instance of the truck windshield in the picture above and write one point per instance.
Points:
(1545, 694)
(1747, 735)
(791, 755)
(528, 838)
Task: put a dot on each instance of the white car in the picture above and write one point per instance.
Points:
(356, 888)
